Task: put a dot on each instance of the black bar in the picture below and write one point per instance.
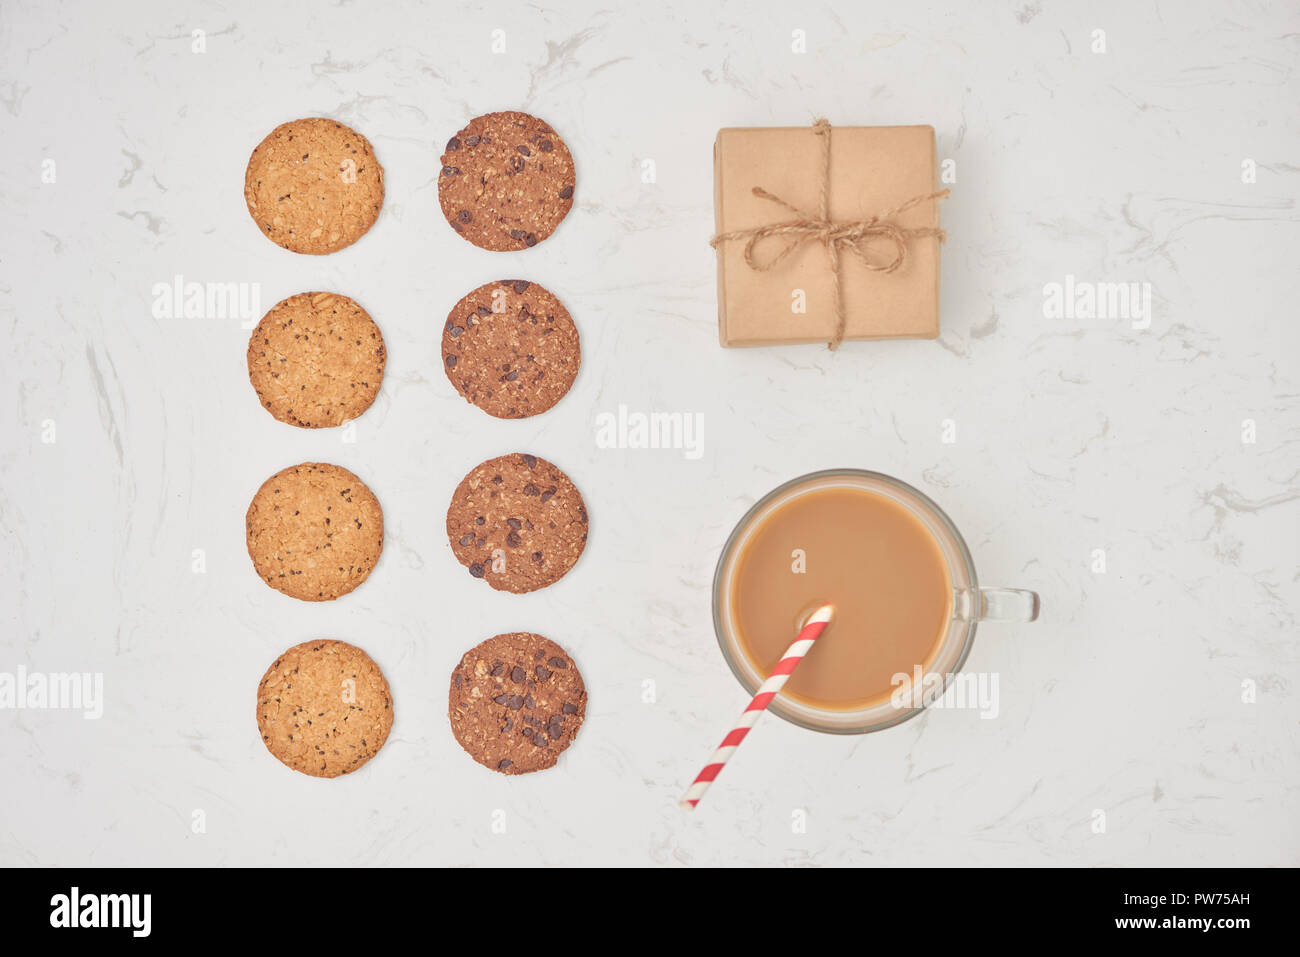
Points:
(330, 905)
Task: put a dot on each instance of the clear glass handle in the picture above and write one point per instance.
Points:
(996, 604)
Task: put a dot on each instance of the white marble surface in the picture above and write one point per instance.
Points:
(1072, 435)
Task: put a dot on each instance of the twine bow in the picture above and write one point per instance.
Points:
(855, 237)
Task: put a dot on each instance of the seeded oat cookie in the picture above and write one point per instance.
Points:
(316, 360)
(314, 186)
(314, 531)
(518, 522)
(511, 348)
(324, 708)
(516, 702)
(506, 181)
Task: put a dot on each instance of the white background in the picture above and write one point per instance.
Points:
(1072, 435)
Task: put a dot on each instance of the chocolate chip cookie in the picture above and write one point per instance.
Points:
(511, 348)
(324, 708)
(314, 186)
(314, 531)
(316, 360)
(516, 702)
(506, 181)
(517, 522)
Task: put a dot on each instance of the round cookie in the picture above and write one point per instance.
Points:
(314, 531)
(316, 360)
(511, 348)
(506, 181)
(518, 522)
(314, 186)
(516, 702)
(324, 708)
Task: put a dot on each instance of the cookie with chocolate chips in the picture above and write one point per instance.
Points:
(516, 702)
(314, 186)
(324, 708)
(517, 522)
(506, 181)
(316, 360)
(314, 531)
(511, 348)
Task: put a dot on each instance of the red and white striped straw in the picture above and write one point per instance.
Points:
(774, 683)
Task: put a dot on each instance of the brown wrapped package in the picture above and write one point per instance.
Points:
(781, 241)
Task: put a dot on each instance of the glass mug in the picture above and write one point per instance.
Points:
(971, 603)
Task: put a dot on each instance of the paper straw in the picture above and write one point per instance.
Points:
(774, 683)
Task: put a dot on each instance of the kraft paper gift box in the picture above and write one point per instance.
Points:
(791, 297)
